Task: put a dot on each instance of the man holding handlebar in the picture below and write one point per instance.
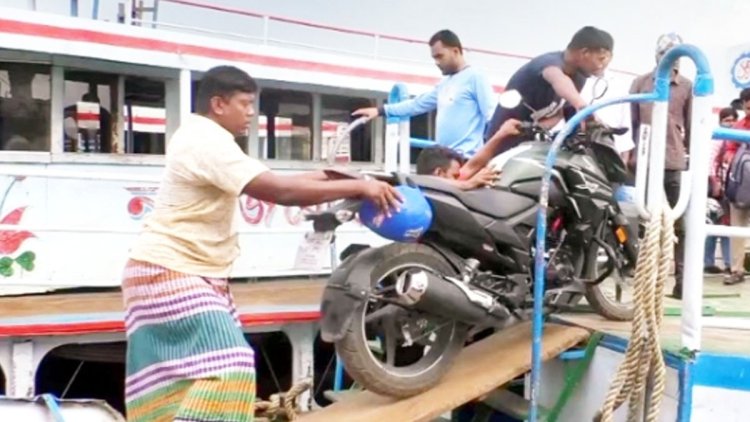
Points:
(544, 82)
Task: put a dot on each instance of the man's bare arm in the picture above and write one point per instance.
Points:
(302, 191)
(563, 86)
(487, 151)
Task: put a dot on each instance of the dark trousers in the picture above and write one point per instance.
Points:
(672, 190)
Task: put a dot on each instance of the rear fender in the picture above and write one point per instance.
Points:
(347, 289)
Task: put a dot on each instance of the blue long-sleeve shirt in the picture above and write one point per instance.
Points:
(464, 101)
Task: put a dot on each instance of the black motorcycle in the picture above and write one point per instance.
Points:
(399, 314)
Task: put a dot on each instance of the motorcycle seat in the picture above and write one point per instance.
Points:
(495, 203)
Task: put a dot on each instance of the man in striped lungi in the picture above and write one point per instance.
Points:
(187, 359)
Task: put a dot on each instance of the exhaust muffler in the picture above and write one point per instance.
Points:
(430, 293)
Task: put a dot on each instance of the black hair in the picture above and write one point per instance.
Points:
(745, 95)
(433, 158)
(222, 81)
(591, 38)
(448, 38)
(90, 97)
(728, 112)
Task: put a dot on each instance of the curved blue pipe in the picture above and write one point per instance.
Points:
(541, 235)
(704, 81)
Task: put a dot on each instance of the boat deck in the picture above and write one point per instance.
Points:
(289, 301)
(726, 306)
(258, 303)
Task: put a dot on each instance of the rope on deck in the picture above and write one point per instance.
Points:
(644, 361)
(281, 406)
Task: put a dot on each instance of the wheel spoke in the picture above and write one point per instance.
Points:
(385, 311)
(390, 340)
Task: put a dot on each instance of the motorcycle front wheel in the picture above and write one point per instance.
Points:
(394, 351)
(613, 297)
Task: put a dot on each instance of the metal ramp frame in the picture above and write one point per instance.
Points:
(480, 369)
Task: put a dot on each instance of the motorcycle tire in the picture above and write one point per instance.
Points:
(360, 363)
(595, 296)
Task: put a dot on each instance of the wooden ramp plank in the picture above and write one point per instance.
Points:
(478, 370)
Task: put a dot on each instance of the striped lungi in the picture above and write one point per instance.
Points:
(187, 359)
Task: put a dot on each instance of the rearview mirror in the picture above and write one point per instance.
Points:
(510, 99)
(599, 89)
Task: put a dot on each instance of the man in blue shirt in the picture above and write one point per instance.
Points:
(543, 83)
(464, 99)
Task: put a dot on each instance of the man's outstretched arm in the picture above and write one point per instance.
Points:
(415, 106)
(480, 160)
(303, 191)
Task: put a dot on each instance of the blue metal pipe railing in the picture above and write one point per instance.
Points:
(541, 233)
(703, 87)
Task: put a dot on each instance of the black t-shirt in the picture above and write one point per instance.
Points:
(536, 92)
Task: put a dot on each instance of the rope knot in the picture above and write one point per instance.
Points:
(282, 405)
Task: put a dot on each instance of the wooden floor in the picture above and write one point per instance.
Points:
(479, 369)
(272, 293)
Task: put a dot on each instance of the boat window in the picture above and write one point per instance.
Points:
(145, 132)
(421, 127)
(285, 124)
(337, 112)
(94, 118)
(24, 107)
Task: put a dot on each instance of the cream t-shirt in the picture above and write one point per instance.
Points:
(191, 229)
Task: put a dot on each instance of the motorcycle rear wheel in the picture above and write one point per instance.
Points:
(423, 360)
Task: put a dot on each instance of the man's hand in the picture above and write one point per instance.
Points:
(485, 177)
(385, 196)
(510, 127)
(369, 112)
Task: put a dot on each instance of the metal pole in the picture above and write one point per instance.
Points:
(266, 21)
(541, 234)
(695, 221)
(404, 146)
(156, 13)
(695, 224)
(394, 130)
(641, 173)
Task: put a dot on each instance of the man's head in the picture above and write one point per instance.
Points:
(727, 116)
(664, 43)
(90, 97)
(591, 50)
(447, 52)
(439, 161)
(745, 98)
(226, 95)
